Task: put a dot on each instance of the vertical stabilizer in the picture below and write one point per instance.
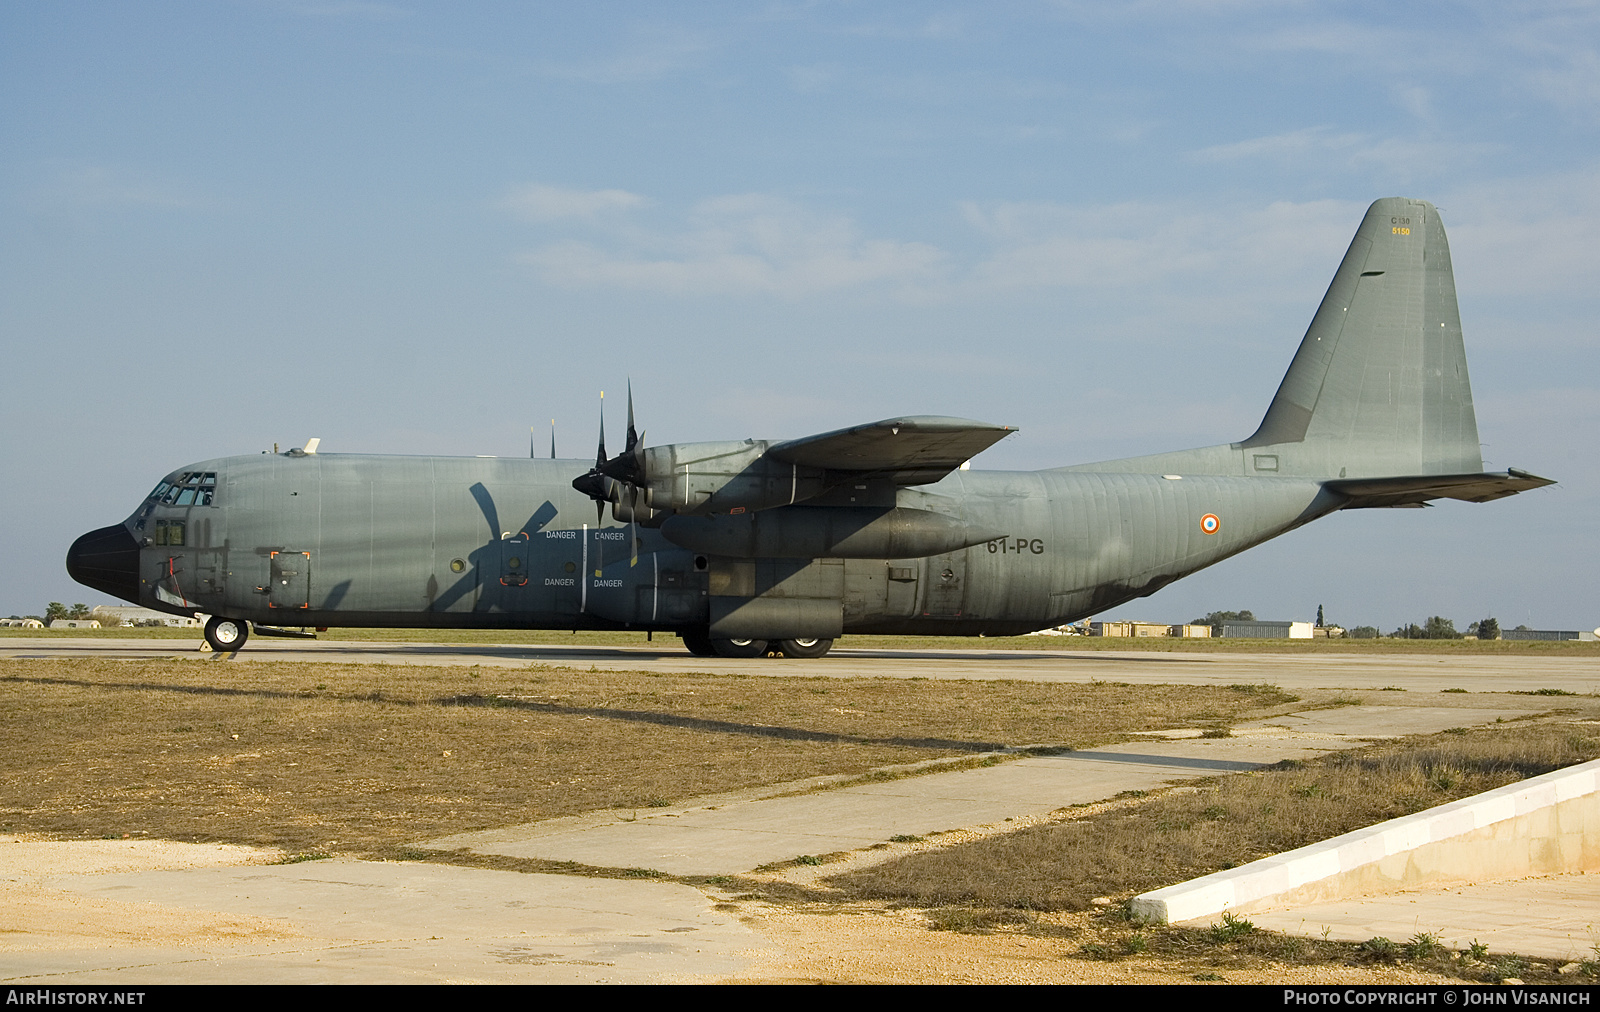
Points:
(1379, 385)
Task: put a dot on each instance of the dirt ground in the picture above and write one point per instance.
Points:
(40, 918)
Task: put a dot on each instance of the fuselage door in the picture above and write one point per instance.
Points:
(514, 561)
(291, 581)
(944, 585)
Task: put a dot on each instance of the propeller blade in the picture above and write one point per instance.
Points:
(633, 525)
(552, 439)
(633, 437)
(600, 455)
(628, 466)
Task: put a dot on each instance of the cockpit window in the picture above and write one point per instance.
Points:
(190, 488)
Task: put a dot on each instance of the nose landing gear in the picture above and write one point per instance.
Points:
(226, 634)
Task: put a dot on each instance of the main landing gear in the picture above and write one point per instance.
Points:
(226, 634)
(702, 645)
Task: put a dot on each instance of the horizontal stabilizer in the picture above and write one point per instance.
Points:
(931, 446)
(1414, 490)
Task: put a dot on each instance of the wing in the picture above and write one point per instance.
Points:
(916, 449)
(1371, 493)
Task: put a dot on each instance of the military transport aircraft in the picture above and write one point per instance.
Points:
(742, 546)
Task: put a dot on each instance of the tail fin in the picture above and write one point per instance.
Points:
(1379, 385)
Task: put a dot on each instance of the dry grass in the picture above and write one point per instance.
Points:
(365, 758)
(1225, 822)
(1233, 945)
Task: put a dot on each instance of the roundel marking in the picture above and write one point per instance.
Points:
(1210, 524)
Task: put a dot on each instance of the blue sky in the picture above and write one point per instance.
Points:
(422, 228)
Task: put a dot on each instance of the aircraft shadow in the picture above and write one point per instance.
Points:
(717, 726)
(501, 702)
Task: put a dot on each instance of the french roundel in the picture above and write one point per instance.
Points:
(1210, 524)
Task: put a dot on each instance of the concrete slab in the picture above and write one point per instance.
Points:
(1552, 918)
(719, 838)
(353, 922)
(1368, 721)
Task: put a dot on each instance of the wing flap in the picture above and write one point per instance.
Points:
(921, 447)
(1414, 490)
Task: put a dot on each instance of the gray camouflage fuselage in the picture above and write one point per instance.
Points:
(371, 541)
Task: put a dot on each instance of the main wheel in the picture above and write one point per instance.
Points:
(739, 648)
(804, 647)
(697, 644)
(226, 634)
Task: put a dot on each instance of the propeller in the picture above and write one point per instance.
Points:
(626, 468)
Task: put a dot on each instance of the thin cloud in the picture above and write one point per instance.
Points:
(1403, 156)
(353, 9)
(656, 53)
(1043, 245)
(537, 202)
(1526, 237)
(97, 187)
(748, 243)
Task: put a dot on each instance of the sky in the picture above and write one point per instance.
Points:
(409, 227)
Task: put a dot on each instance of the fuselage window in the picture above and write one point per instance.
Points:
(169, 532)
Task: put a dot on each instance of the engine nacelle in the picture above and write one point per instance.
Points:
(698, 479)
(826, 532)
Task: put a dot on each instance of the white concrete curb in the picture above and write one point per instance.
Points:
(1269, 877)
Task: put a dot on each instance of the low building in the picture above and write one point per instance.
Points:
(21, 623)
(1549, 634)
(1190, 632)
(116, 615)
(74, 623)
(1267, 630)
(1110, 628)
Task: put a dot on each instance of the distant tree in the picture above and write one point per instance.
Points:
(1489, 629)
(1320, 624)
(53, 611)
(1216, 619)
(79, 610)
(1522, 628)
(1440, 628)
(1364, 632)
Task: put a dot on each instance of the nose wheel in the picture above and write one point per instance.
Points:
(226, 634)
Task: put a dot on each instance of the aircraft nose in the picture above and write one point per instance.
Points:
(107, 560)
